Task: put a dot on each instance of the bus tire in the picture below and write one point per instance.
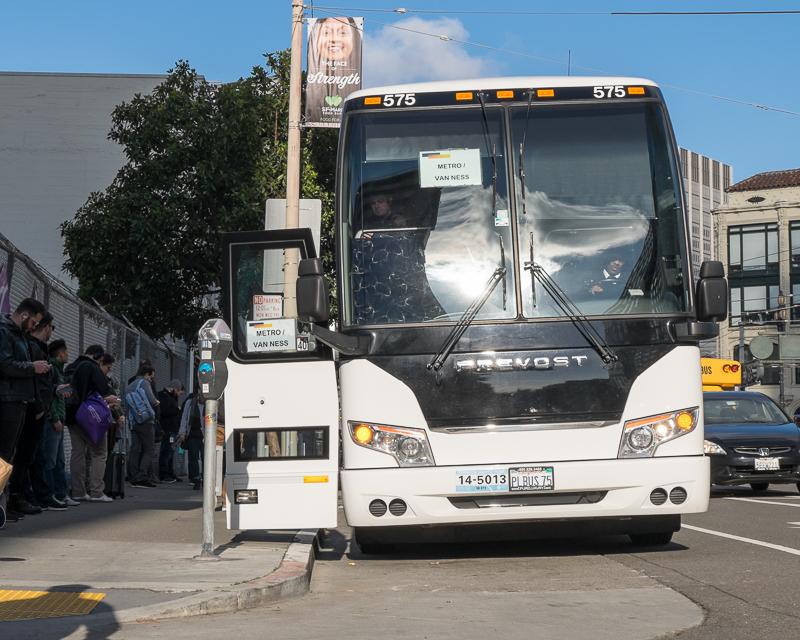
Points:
(758, 487)
(651, 539)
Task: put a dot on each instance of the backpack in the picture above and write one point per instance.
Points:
(138, 406)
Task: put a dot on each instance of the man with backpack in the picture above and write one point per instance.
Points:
(86, 377)
(141, 405)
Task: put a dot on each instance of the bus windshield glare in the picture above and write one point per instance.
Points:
(427, 218)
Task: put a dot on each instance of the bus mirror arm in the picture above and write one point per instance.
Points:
(711, 305)
(348, 345)
(694, 330)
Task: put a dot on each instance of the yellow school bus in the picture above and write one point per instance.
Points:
(720, 375)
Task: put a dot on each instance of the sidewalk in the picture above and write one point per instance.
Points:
(139, 552)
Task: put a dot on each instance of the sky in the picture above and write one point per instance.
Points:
(743, 60)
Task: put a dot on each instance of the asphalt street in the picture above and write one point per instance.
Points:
(747, 584)
(736, 565)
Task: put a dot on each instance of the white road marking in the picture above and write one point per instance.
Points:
(794, 525)
(782, 504)
(760, 543)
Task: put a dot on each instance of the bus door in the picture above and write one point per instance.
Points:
(281, 403)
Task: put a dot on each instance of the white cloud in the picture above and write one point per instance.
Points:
(394, 56)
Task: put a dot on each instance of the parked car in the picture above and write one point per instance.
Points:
(750, 440)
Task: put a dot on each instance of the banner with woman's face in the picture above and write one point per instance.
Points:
(334, 68)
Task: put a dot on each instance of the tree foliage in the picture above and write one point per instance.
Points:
(201, 159)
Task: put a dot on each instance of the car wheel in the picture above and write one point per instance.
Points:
(758, 487)
(651, 539)
(798, 487)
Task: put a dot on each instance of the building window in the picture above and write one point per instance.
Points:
(753, 303)
(684, 162)
(706, 181)
(715, 174)
(695, 167)
(726, 176)
(753, 248)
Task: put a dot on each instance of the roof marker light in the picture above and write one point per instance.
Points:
(545, 93)
(635, 91)
(464, 95)
(372, 100)
(506, 93)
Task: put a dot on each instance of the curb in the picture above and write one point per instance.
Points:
(290, 579)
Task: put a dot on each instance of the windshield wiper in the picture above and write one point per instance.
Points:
(570, 309)
(491, 150)
(466, 319)
(522, 162)
(503, 267)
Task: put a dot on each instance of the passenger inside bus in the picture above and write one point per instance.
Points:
(389, 280)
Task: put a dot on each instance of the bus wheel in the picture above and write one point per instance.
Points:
(651, 539)
(758, 487)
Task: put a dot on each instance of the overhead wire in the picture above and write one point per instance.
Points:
(516, 12)
(480, 45)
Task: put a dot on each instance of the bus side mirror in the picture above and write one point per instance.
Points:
(711, 295)
(312, 291)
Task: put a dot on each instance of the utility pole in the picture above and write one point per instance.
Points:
(743, 386)
(291, 256)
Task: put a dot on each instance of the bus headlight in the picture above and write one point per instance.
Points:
(640, 438)
(408, 446)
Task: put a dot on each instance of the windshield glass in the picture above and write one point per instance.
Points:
(726, 411)
(424, 220)
(602, 210)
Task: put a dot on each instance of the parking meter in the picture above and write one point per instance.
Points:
(215, 347)
(212, 376)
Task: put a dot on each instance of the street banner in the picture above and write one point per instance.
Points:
(334, 68)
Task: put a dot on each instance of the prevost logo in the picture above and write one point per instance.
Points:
(523, 362)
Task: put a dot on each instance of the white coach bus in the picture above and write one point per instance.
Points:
(516, 331)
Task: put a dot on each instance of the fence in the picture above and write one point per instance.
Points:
(81, 324)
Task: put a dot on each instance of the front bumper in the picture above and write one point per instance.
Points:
(733, 469)
(586, 489)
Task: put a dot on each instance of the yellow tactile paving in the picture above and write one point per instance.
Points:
(28, 605)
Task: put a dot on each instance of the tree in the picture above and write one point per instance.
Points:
(201, 160)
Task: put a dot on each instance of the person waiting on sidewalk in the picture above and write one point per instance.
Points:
(191, 435)
(86, 377)
(50, 483)
(170, 420)
(17, 372)
(117, 430)
(143, 446)
(21, 497)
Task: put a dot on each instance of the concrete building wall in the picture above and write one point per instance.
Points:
(754, 290)
(54, 152)
(704, 183)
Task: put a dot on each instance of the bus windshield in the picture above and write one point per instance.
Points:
(418, 250)
(602, 210)
(426, 217)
